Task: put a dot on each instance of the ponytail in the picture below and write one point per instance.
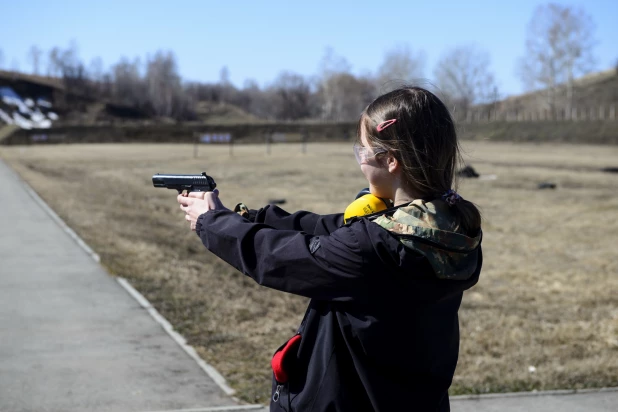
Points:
(468, 217)
(466, 213)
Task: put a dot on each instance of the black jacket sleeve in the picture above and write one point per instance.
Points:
(326, 267)
(310, 223)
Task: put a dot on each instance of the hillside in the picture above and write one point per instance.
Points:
(18, 77)
(223, 113)
(593, 98)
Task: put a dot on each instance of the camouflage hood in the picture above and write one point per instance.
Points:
(429, 229)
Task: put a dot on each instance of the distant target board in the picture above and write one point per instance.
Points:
(279, 137)
(216, 138)
(39, 137)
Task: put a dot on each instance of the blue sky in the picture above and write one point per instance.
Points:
(259, 39)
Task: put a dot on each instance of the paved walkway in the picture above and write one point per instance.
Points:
(71, 337)
(603, 400)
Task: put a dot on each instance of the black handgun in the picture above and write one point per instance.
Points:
(190, 183)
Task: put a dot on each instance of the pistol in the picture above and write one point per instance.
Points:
(190, 183)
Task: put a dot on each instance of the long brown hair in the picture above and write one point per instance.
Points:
(424, 141)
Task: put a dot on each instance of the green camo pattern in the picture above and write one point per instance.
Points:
(430, 229)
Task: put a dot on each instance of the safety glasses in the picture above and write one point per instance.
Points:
(363, 153)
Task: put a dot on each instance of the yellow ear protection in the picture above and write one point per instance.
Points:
(365, 204)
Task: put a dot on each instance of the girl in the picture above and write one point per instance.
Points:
(381, 330)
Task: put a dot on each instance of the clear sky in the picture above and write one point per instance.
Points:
(259, 39)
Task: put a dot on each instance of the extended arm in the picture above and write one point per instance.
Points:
(310, 223)
(329, 267)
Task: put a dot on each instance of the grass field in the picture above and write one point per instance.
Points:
(543, 316)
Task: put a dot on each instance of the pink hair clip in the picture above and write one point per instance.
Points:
(385, 124)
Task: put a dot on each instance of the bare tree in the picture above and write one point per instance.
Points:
(292, 94)
(559, 47)
(251, 94)
(494, 99)
(70, 55)
(164, 86)
(341, 95)
(106, 89)
(53, 62)
(463, 74)
(254, 100)
(75, 78)
(227, 92)
(34, 56)
(401, 64)
(224, 76)
(96, 76)
(128, 87)
(332, 63)
(58, 59)
(66, 64)
(95, 69)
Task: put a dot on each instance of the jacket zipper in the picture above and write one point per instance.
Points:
(277, 393)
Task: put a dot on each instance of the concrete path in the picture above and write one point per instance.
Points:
(71, 337)
(603, 400)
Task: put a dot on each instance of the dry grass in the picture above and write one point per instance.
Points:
(547, 296)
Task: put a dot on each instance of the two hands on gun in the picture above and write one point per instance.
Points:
(196, 193)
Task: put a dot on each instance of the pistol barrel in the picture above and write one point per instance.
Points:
(202, 182)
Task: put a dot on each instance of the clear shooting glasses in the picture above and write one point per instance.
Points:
(363, 153)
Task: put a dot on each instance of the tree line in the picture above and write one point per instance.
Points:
(559, 48)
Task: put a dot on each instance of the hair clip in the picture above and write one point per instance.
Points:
(385, 124)
(451, 197)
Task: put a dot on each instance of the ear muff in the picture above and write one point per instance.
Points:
(363, 192)
(365, 204)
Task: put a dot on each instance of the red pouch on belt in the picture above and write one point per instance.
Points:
(283, 357)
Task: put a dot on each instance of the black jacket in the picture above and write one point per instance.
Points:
(381, 331)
